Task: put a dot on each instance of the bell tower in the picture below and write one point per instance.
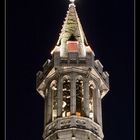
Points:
(72, 84)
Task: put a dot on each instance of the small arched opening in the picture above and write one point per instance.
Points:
(92, 88)
(53, 88)
(66, 96)
(79, 95)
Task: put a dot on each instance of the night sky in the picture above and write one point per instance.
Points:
(33, 28)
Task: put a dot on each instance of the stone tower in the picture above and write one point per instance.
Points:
(72, 84)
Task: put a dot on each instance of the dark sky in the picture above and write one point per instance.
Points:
(33, 28)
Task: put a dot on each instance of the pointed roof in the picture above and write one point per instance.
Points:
(72, 28)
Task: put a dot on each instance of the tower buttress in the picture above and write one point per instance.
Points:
(72, 84)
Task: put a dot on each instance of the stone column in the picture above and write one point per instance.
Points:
(97, 106)
(100, 108)
(48, 106)
(45, 108)
(73, 95)
(86, 97)
(59, 96)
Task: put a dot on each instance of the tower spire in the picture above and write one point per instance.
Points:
(72, 28)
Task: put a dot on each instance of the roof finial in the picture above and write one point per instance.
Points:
(72, 1)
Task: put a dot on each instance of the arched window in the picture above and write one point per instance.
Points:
(91, 100)
(66, 96)
(53, 87)
(79, 95)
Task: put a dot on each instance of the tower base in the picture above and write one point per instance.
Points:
(73, 128)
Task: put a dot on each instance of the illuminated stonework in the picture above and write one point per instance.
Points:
(72, 85)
